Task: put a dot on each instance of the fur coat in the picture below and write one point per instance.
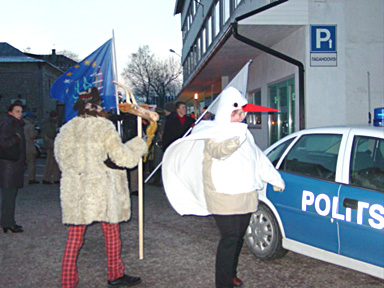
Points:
(89, 190)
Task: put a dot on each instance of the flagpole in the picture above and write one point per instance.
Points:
(201, 117)
(150, 117)
(186, 134)
(140, 185)
(140, 188)
(140, 195)
(115, 76)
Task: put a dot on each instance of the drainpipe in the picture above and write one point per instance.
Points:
(281, 56)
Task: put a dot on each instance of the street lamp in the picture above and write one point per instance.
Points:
(173, 51)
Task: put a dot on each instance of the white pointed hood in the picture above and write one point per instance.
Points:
(230, 99)
(183, 160)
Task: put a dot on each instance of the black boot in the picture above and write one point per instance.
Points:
(124, 280)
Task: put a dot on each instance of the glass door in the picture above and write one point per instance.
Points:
(281, 96)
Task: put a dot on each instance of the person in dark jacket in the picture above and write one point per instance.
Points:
(169, 108)
(177, 125)
(11, 172)
(50, 130)
(30, 134)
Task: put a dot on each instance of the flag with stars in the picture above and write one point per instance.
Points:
(94, 70)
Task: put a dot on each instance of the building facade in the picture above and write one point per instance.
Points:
(320, 62)
(28, 78)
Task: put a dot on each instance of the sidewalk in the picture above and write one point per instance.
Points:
(178, 251)
(173, 252)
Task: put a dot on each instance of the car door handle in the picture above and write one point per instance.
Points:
(350, 203)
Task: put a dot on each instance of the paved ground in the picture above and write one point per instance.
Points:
(179, 251)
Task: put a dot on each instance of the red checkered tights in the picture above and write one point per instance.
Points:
(115, 267)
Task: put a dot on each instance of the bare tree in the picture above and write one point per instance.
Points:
(69, 54)
(151, 77)
(139, 71)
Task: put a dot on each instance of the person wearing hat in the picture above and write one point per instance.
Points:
(169, 108)
(218, 170)
(91, 188)
(49, 131)
(30, 136)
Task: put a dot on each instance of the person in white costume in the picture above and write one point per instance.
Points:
(218, 170)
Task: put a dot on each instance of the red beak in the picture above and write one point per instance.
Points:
(256, 108)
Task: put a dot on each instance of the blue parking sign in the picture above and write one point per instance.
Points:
(323, 38)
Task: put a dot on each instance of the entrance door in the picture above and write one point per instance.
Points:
(282, 97)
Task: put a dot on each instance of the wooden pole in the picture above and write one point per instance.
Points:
(150, 117)
(140, 195)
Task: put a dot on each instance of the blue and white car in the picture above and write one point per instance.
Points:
(333, 206)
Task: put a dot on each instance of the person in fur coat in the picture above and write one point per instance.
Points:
(91, 191)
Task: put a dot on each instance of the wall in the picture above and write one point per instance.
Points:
(339, 95)
(19, 80)
(266, 70)
(32, 82)
(333, 95)
(364, 53)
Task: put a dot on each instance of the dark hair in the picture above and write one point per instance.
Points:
(179, 103)
(10, 108)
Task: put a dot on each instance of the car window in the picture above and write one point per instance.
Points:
(367, 163)
(314, 155)
(275, 154)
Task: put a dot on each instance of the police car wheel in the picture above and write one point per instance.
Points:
(263, 236)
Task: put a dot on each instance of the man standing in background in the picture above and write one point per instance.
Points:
(177, 125)
(49, 134)
(30, 136)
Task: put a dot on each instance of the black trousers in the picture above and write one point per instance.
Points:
(232, 229)
(8, 203)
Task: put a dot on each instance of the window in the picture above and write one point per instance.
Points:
(314, 155)
(226, 10)
(209, 31)
(254, 119)
(282, 96)
(275, 154)
(237, 3)
(190, 20)
(185, 30)
(367, 163)
(198, 50)
(194, 56)
(204, 41)
(194, 8)
(217, 19)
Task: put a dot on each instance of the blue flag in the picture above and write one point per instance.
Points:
(94, 70)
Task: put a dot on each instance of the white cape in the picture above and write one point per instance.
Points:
(182, 167)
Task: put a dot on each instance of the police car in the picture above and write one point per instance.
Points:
(333, 206)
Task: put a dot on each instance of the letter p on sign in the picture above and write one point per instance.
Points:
(323, 35)
(323, 38)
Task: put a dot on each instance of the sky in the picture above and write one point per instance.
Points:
(82, 26)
